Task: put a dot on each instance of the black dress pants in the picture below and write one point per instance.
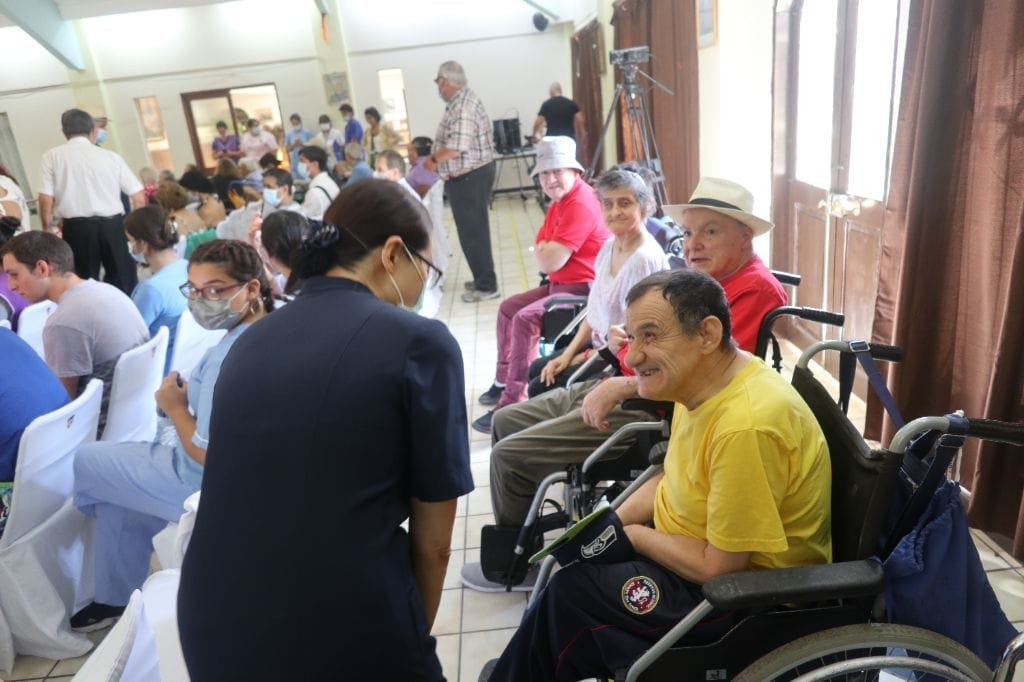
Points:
(469, 195)
(100, 240)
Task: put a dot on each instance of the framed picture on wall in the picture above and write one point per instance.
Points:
(707, 23)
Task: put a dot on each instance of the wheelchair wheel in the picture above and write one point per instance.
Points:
(864, 652)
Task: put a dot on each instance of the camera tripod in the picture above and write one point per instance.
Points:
(638, 116)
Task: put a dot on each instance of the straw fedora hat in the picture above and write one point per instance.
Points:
(556, 152)
(722, 196)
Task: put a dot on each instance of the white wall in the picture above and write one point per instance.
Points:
(508, 62)
(736, 101)
(163, 53)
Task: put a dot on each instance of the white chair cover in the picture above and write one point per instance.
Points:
(144, 645)
(31, 321)
(6, 324)
(190, 342)
(107, 663)
(45, 566)
(131, 413)
(171, 543)
(434, 201)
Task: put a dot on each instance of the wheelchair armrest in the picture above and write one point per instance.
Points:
(656, 408)
(795, 585)
(568, 300)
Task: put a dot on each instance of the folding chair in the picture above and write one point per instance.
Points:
(131, 412)
(45, 570)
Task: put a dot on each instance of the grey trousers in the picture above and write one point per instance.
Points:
(539, 437)
(469, 196)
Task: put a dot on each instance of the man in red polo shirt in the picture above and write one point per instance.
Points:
(565, 248)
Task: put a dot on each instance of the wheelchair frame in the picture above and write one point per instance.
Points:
(846, 596)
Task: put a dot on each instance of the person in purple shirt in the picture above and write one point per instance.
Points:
(11, 304)
(353, 128)
(418, 177)
(224, 145)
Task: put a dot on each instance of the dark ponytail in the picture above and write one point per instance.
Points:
(151, 225)
(282, 234)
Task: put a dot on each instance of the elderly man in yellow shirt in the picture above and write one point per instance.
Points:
(746, 486)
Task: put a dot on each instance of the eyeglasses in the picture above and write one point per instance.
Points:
(211, 293)
(434, 273)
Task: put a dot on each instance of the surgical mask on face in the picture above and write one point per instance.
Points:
(380, 175)
(215, 314)
(346, 118)
(297, 127)
(139, 257)
(255, 130)
(325, 127)
(270, 196)
(101, 136)
(401, 299)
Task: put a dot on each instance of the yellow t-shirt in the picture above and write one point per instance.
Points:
(749, 471)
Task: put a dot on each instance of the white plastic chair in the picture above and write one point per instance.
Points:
(31, 321)
(144, 645)
(6, 324)
(45, 570)
(131, 412)
(190, 343)
(171, 543)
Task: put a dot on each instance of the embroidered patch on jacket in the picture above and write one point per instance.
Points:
(599, 544)
(640, 595)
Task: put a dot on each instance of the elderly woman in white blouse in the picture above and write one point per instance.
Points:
(632, 254)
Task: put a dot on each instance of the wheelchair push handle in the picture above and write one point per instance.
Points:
(1008, 433)
(996, 431)
(787, 277)
(803, 312)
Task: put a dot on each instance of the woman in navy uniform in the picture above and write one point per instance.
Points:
(333, 423)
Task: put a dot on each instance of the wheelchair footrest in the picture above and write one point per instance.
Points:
(751, 589)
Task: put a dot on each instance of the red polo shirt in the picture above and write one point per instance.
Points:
(575, 221)
(752, 292)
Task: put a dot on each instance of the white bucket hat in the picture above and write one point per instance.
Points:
(722, 196)
(554, 153)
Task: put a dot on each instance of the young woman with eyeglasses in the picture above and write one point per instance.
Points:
(134, 489)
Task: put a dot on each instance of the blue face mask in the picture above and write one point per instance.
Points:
(101, 136)
(271, 197)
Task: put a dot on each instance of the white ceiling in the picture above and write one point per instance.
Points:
(81, 9)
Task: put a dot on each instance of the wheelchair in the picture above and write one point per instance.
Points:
(828, 621)
(608, 471)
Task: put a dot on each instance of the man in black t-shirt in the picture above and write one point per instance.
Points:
(562, 116)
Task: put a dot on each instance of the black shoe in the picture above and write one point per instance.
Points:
(492, 395)
(488, 670)
(483, 424)
(95, 616)
(469, 286)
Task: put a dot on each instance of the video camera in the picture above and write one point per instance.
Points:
(630, 55)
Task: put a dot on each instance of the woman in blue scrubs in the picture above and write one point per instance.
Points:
(335, 420)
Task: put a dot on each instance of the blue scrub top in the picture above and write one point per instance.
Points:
(161, 303)
(328, 416)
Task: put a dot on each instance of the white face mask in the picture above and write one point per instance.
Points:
(255, 130)
(325, 127)
(297, 127)
(423, 290)
(381, 175)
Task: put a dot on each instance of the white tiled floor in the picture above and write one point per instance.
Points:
(473, 627)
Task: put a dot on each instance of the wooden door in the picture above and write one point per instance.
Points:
(837, 67)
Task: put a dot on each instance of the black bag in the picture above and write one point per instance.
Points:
(498, 561)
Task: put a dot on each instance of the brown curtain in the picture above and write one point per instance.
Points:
(669, 28)
(586, 88)
(952, 261)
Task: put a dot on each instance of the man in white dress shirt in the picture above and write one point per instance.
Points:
(82, 185)
(322, 189)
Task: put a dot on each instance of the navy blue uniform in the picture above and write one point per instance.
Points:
(593, 620)
(328, 416)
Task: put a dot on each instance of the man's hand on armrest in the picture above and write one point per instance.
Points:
(604, 398)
